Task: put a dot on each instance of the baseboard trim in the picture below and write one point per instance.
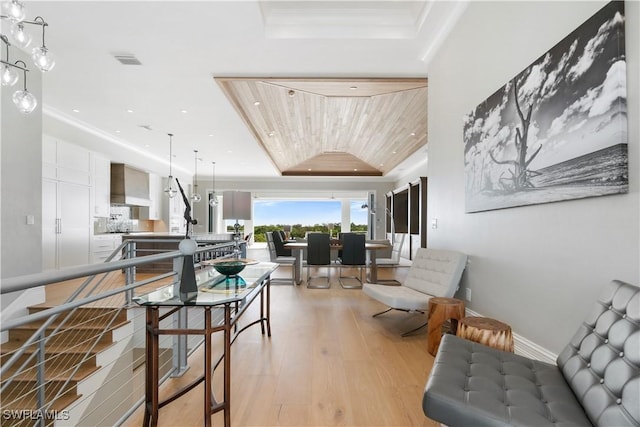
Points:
(525, 347)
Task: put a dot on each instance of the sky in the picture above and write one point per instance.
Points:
(304, 212)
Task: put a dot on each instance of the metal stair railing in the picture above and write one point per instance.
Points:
(92, 290)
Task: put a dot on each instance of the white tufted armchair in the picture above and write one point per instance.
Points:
(433, 273)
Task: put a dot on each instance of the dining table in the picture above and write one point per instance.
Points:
(297, 249)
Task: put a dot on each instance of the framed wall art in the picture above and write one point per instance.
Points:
(557, 130)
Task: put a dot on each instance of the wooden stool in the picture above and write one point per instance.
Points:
(486, 331)
(439, 311)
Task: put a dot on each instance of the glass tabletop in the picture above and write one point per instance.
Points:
(213, 287)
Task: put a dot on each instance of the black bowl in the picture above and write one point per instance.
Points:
(229, 268)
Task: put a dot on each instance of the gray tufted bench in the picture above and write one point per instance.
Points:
(596, 382)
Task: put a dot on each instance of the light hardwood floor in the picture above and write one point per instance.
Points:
(328, 363)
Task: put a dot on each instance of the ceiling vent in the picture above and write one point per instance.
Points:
(127, 59)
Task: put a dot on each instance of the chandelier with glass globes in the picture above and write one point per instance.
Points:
(15, 13)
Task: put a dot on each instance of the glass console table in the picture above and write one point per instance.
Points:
(234, 296)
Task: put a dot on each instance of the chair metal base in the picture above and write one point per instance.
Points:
(283, 280)
(348, 286)
(325, 285)
(359, 279)
(404, 334)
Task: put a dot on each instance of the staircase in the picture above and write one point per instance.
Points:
(72, 343)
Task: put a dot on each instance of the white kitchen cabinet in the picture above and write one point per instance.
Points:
(154, 210)
(66, 226)
(66, 162)
(103, 247)
(101, 186)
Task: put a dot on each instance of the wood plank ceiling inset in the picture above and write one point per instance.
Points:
(354, 127)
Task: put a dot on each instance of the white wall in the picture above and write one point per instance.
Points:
(21, 176)
(20, 188)
(538, 268)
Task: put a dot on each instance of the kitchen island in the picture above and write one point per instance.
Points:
(150, 243)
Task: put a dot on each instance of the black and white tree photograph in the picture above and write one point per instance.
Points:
(557, 130)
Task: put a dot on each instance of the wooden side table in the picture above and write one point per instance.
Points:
(439, 311)
(486, 331)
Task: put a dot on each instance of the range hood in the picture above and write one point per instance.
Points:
(129, 186)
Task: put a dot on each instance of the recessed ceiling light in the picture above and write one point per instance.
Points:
(256, 103)
(210, 134)
(229, 151)
(75, 110)
(184, 111)
(355, 169)
(117, 131)
(129, 110)
(147, 145)
(412, 134)
(309, 170)
(272, 133)
(394, 152)
(353, 87)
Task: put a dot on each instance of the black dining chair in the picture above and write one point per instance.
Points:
(353, 254)
(283, 260)
(278, 241)
(318, 254)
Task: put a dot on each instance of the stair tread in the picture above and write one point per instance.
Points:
(85, 314)
(34, 326)
(12, 346)
(54, 372)
(29, 403)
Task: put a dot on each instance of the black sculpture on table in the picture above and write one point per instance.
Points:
(188, 284)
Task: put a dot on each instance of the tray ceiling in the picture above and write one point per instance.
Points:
(332, 127)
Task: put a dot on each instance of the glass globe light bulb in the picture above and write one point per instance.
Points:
(14, 10)
(8, 75)
(25, 101)
(214, 201)
(171, 192)
(21, 38)
(196, 197)
(43, 59)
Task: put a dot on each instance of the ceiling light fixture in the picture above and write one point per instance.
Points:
(169, 190)
(195, 196)
(42, 58)
(213, 201)
(14, 11)
(8, 75)
(21, 38)
(23, 99)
